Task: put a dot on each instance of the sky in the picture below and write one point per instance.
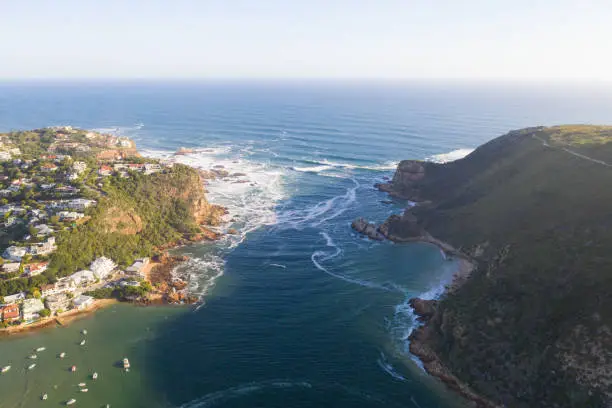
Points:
(387, 39)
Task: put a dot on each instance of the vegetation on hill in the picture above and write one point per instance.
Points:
(533, 325)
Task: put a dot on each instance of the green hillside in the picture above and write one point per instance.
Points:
(534, 322)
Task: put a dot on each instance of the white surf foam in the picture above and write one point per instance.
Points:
(200, 273)
(250, 192)
(319, 213)
(278, 265)
(450, 156)
(321, 165)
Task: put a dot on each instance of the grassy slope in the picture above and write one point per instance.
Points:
(514, 327)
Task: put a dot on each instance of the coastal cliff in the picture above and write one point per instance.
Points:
(532, 325)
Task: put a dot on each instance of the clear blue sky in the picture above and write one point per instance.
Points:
(520, 39)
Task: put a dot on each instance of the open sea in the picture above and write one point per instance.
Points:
(298, 310)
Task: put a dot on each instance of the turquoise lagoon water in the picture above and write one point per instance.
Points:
(298, 311)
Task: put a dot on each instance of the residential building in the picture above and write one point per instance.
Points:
(80, 203)
(102, 267)
(10, 267)
(105, 170)
(5, 156)
(10, 313)
(31, 308)
(14, 253)
(5, 192)
(151, 168)
(48, 168)
(82, 278)
(43, 230)
(58, 303)
(43, 248)
(69, 215)
(17, 297)
(82, 302)
(48, 290)
(137, 267)
(34, 269)
(66, 190)
(65, 285)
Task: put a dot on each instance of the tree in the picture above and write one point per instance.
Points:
(45, 313)
(36, 293)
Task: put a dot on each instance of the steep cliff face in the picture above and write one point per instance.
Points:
(532, 324)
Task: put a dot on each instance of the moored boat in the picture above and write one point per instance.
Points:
(31, 366)
(82, 384)
(44, 397)
(126, 363)
(33, 357)
(6, 368)
(62, 355)
(41, 349)
(71, 401)
(73, 368)
(84, 389)
(84, 331)
(82, 343)
(94, 376)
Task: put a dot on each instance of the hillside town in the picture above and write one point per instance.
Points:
(52, 179)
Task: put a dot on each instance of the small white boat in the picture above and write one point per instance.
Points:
(82, 343)
(94, 376)
(84, 331)
(82, 384)
(84, 390)
(41, 349)
(44, 397)
(70, 402)
(33, 357)
(62, 355)
(126, 364)
(31, 366)
(73, 368)
(6, 368)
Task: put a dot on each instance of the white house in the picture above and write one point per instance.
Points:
(65, 285)
(58, 302)
(80, 203)
(43, 229)
(14, 253)
(30, 309)
(34, 269)
(82, 278)
(137, 267)
(44, 248)
(10, 267)
(82, 301)
(102, 267)
(79, 167)
(17, 297)
(69, 215)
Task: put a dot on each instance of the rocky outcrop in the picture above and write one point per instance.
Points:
(420, 345)
(370, 230)
(406, 180)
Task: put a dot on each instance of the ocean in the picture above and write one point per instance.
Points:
(298, 310)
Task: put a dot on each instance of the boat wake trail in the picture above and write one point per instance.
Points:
(240, 391)
(321, 256)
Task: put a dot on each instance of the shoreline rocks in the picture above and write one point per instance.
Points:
(370, 230)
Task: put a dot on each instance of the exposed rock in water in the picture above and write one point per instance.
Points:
(370, 230)
(425, 309)
(232, 231)
(183, 150)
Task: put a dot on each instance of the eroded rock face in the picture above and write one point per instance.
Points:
(405, 182)
(425, 309)
(370, 230)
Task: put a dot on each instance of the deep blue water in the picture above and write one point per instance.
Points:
(299, 311)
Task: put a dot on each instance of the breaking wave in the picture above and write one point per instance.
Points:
(450, 156)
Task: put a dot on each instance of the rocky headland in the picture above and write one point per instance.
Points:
(527, 321)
